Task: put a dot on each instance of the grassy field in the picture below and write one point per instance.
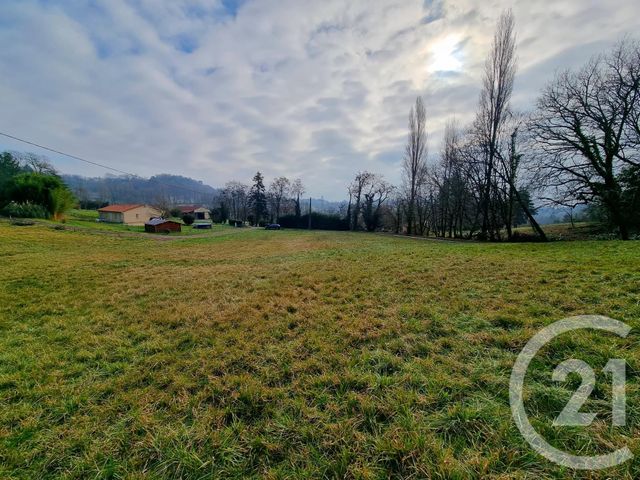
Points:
(295, 354)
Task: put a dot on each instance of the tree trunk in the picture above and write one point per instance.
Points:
(532, 220)
(410, 215)
(618, 219)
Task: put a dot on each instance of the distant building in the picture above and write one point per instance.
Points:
(129, 214)
(198, 211)
(162, 225)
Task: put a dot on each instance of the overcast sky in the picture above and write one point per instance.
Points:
(216, 90)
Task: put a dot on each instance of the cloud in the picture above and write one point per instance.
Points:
(217, 90)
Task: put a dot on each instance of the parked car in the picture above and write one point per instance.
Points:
(202, 224)
(272, 226)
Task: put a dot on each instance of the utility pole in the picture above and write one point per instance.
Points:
(309, 213)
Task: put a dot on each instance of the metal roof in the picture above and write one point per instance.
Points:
(160, 221)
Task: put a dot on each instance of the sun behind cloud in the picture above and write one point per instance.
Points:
(446, 55)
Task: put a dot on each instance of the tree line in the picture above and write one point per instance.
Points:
(257, 204)
(580, 145)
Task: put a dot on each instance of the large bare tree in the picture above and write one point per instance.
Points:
(235, 196)
(515, 192)
(356, 191)
(414, 167)
(586, 126)
(375, 196)
(36, 163)
(493, 111)
(451, 185)
(278, 192)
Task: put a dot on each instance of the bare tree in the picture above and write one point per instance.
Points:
(297, 190)
(510, 172)
(375, 196)
(446, 180)
(394, 211)
(414, 167)
(162, 203)
(424, 208)
(278, 192)
(220, 206)
(236, 198)
(497, 86)
(472, 168)
(36, 163)
(586, 126)
(356, 190)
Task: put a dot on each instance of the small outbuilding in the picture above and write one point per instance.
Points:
(198, 211)
(162, 225)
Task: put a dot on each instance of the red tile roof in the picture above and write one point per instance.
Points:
(120, 208)
(189, 208)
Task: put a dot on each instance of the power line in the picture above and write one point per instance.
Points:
(75, 157)
(67, 154)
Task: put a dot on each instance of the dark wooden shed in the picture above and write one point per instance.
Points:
(162, 225)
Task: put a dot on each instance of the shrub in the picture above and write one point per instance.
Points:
(319, 221)
(61, 200)
(22, 223)
(48, 191)
(525, 237)
(188, 219)
(25, 210)
(175, 212)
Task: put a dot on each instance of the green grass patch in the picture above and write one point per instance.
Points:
(294, 354)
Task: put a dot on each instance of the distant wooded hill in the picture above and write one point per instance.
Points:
(159, 189)
(163, 189)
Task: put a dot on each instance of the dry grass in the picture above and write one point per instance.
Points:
(295, 354)
(577, 231)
